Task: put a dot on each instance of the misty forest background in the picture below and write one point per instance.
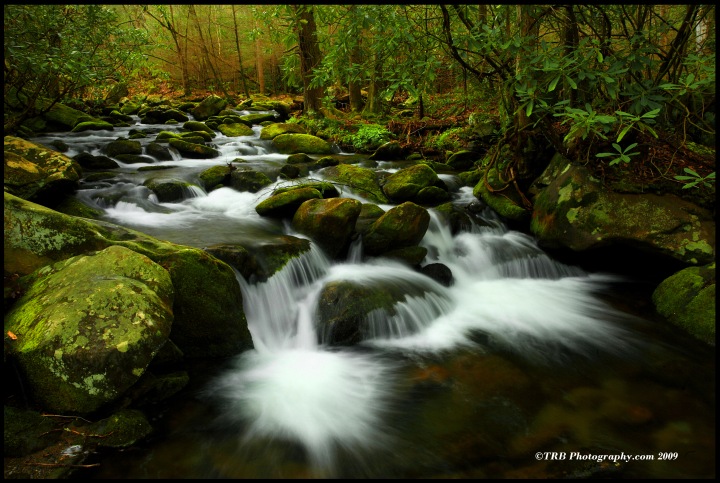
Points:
(608, 85)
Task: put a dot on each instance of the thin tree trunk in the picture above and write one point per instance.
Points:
(259, 67)
(206, 52)
(241, 71)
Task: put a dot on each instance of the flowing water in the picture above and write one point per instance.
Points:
(523, 368)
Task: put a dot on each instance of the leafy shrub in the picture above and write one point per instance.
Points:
(369, 137)
(449, 140)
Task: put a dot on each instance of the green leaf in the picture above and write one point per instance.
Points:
(604, 155)
(690, 171)
(529, 108)
(553, 84)
(652, 113)
(571, 82)
(623, 133)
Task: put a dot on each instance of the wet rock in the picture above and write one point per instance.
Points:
(284, 205)
(329, 222)
(248, 180)
(235, 129)
(88, 161)
(408, 182)
(122, 146)
(194, 150)
(574, 210)
(209, 106)
(116, 313)
(34, 172)
(439, 272)
(687, 299)
(301, 143)
(401, 226)
(357, 178)
(273, 130)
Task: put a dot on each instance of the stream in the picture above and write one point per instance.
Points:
(525, 367)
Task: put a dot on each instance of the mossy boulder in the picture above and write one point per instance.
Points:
(273, 130)
(215, 176)
(343, 309)
(361, 180)
(209, 320)
(160, 115)
(37, 173)
(258, 261)
(64, 117)
(503, 198)
(399, 227)
(199, 126)
(158, 151)
(301, 143)
(252, 119)
(284, 205)
(389, 151)
(123, 429)
(168, 190)
(405, 184)
(122, 146)
(369, 214)
(199, 136)
(248, 180)
(165, 136)
(210, 106)
(327, 190)
(299, 158)
(87, 327)
(94, 125)
(194, 150)
(462, 160)
(572, 209)
(89, 161)
(235, 129)
(687, 299)
(329, 222)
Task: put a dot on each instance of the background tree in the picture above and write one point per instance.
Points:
(56, 51)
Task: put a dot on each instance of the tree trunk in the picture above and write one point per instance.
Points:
(241, 71)
(206, 52)
(259, 65)
(309, 57)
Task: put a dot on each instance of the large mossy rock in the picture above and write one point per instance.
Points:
(209, 320)
(210, 106)
(359, 179)
(389, 151)
(64, 117)
(259, 261)
(235, 129)
(194, 150)
(273, 130)
(248, 180)
(400, 227)
(34, 172)
(343, 309)
(199, 126)
(330, 223)
(252, 119)
(284, 205)
(87, 327)
(687, 299)
(503, 198)
(216, 176)
(122, 146)
(301, 143)
(405, 184)
(572, 209)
